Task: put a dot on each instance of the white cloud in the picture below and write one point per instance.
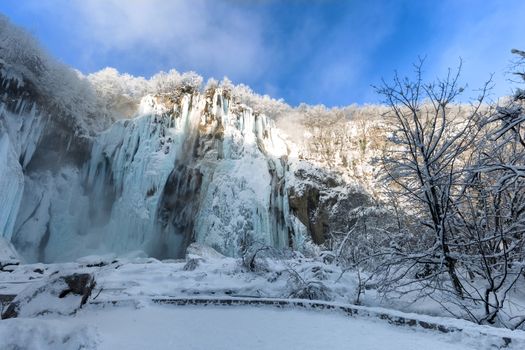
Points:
(318, 56)
(206, 36)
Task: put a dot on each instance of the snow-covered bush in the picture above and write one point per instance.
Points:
(308, 284)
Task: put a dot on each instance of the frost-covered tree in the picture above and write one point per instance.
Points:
(489, 223)
(118, 94)
(260, 104)
(490, 213)
(173, 82)
(455, 178)
(423, 168)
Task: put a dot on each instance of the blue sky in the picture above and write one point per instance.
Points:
(326, 51)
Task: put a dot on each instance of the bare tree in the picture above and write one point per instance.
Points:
(490, 215)
(327, 132)
(456, 175)
(489, 223)
(429, 136)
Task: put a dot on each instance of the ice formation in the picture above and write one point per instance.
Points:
(192, 168)
(20, 131)
(193, 171)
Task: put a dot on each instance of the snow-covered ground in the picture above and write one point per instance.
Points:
(137, 278)
(198, 327)
(225, 306)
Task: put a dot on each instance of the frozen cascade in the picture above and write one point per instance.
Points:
(186, 169)
(11, 187)
(20, 120)
(127, 172)
(191, 172)
(21, 127)
(50, 225)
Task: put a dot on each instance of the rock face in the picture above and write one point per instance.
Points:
(323, 202)
(311, 212)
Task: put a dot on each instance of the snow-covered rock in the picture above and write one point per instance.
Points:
(62, 295)
(199, 251)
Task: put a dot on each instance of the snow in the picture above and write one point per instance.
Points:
(131, 305)
(204, 273)
(36, 334)
(168, 327)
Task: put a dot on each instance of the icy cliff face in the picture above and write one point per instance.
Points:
(38, 147)
(186, 170)
(191, 168)
(11, 185)
(20, 132)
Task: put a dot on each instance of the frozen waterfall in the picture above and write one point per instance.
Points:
(185, 169)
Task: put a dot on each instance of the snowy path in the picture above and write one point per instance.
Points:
(197, 327)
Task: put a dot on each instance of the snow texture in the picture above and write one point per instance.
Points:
(162, 327)
(132, 284)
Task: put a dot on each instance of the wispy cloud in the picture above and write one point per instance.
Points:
(318, 51)
(312, 52)
(202, 35)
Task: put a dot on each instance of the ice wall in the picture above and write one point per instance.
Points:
(187, 168)
(21, 126)
(11, 187)
(194, 171)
